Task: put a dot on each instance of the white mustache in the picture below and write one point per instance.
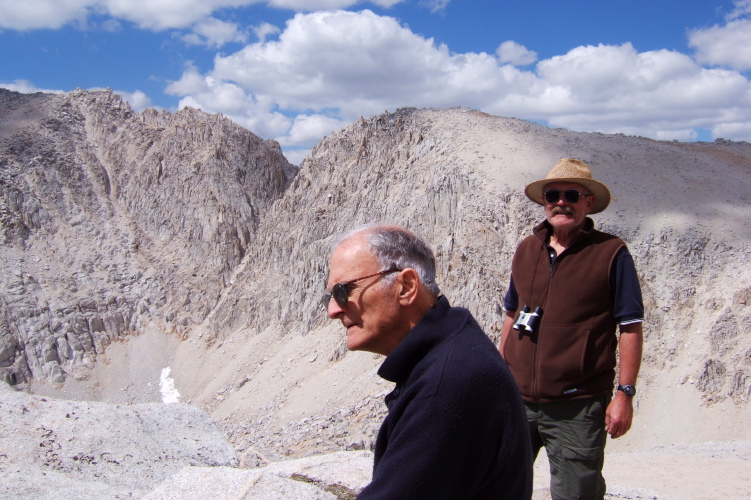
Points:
(562, 210)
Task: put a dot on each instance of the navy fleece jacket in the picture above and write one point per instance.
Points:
(456, 427)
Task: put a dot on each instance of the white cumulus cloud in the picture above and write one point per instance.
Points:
(660, 94)
(150, 14)
(216, 96)
(728, 45)
(741, 8)
(737, 130)
(330, 67)
(360, 63)
(26, 87)
(214, 33)
(264, 30)
(307, 129)
(32, 14)
(435, 5)
(313, 5)
(327, 68)
(138, 100)
(510, 52)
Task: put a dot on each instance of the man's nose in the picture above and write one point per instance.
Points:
(333, 309)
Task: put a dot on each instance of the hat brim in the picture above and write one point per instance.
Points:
(601, 192)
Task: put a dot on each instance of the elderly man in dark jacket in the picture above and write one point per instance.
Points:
(456, 427)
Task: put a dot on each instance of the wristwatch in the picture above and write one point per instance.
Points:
(629, 390)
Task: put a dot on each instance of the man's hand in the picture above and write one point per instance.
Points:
(619, 415)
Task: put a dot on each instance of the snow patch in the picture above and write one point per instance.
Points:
(167, 387)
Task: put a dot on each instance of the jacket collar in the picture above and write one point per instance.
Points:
(437, 325)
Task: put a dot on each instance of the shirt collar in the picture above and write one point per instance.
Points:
(543, 231)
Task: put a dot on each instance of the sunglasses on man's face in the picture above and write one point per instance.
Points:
(571, 195)
(340, 291)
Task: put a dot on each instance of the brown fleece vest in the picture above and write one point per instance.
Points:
(572, 355)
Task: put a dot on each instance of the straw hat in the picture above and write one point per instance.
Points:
(571, 170)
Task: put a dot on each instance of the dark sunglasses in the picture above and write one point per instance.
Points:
(571, 195)
(340, 291)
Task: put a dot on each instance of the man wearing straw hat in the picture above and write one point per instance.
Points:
(571, 288)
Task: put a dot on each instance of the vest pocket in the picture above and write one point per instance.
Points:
(562, 352)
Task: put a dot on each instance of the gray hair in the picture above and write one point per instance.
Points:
(397, 247)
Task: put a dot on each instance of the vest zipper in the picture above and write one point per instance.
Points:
(551, 269)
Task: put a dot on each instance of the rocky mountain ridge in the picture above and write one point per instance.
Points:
(108, 216)
(456, 177)
(140, 241)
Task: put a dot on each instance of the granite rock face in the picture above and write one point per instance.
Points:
(91, 448)
(336, 476)
(113, 223)
(456, 177)
(110, 218)
(73, 450)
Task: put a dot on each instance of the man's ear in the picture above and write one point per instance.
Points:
(409, 286)
(590, 204)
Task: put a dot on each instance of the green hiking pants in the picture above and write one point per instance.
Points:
(573, 434)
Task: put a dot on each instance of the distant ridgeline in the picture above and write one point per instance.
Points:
(111, 219)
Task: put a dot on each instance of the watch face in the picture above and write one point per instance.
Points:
(630, 390)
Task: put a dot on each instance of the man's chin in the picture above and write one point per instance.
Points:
(358, 344)
(353, 343)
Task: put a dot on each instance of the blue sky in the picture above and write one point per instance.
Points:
(296, 70)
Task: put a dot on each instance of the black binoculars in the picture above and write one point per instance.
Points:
(528, 321)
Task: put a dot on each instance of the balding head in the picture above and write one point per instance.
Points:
(379, 292)
(397, 247)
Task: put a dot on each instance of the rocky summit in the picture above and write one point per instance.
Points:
(153, 256)
(108, 217)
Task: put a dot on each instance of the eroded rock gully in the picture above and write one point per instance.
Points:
(134, 242)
